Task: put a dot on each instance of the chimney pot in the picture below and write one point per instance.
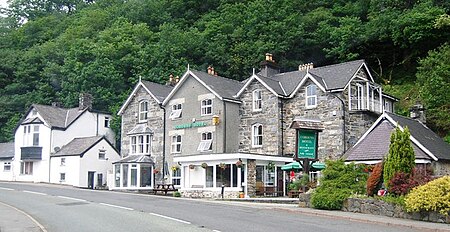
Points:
(177, 79)
(209, 69)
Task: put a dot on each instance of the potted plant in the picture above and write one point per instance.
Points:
(175, 167)
(204, 165)
(222, 166)
(155, 171)
(239, 163)
(271, 166)
(191, 166)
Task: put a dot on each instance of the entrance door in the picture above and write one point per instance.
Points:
(91, 180)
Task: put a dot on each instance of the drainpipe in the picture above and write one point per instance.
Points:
(282, 127)
(164, 142)
(224, 127)
(343, 117)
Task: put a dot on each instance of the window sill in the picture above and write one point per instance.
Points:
(257, 146)
(311, 107)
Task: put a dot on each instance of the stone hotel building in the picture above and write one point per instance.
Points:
(203, 131)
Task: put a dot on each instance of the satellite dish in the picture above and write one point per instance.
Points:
(56, 149)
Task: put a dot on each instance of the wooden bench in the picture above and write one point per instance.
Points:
(164, 188)
(268, 191)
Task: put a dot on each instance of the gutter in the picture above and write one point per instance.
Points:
(164, 141)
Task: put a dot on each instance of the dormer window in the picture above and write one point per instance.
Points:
(311, 95)
(257, 135)
(257, 100)
(143, 111)
(206, 142)
(176, 111)
(206, 107)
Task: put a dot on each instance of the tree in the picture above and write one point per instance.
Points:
(401, 157)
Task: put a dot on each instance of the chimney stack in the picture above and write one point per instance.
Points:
(85, 101)
(172, 81)
(268, 66)
(306, 67)
(417, 112)
(177, 79)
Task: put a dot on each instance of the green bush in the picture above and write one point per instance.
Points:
(338, 182)
(176, 194)
(433, 196)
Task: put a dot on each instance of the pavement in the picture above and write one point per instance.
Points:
(15, 220)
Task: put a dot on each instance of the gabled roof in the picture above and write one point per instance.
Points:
(156, 91)
(424, 136)
(374, 144)
(141, 128)
(55, 117)
(223, 88)
(6, 150)
(79, 146)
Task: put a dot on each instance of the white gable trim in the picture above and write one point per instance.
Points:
(182, 80)
(140, 84)
(307, 76)
(253, 77)
(414, 140)
(357, 71)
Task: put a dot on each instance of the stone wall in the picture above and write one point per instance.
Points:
(441, 168)
(328, 111)
(269, 117)
(377, 207)
(155, 122)
(208, 194)
(251, 177)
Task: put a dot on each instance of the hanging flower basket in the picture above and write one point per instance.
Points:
(222, 166)
(238, 163)
(204, 165)
(271, 166)
(175, 167)
(155, 171)
(191, 166)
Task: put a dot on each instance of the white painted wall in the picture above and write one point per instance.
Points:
(71, 169)
(5, 175)
(90, 163)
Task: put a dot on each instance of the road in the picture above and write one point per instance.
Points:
(62, 208)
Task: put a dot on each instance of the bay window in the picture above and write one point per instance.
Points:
(140, 144)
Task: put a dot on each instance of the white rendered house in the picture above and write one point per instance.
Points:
(44, 130)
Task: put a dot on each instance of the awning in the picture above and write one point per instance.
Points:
(136, 159)
(297, 166)
(307, 124)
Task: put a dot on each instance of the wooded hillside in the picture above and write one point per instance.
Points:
(51, 50)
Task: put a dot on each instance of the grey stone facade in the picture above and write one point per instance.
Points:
(130, 118)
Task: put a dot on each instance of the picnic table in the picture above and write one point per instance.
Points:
(164, 188)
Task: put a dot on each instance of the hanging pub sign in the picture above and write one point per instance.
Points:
(307, 144)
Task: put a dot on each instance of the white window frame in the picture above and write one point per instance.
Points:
(257, 100)
(176, 112)
(140, 144)
(359, 97)
(176, 175)
(62, 161)
(102, 154)
(143, 111)
(311, 96)
(26, 168)
(62, 177)
(107, 122)
(176, 144)
(205, 142)
(35, 137)
(7, 166)
(206, 107)
(257, 136)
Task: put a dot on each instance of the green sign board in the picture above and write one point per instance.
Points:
(190, 125)
(307, 141)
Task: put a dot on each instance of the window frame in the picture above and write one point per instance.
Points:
(62, 162)
(6, 164)
(26, 168)
(62, 177)
(176, 177)
(257, 100)
(175, 144)
(143, 113)
(257, 139)
(205, 108)
(205, 141)
(102, 154)
(309, 96)
(107, 122)
(177, 111)
(140, 147)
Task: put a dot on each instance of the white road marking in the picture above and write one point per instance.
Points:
(29, 216)
(71, 198)
(9, 189)
(116, 206)
(170, 218)
(38, 193)
(216, 230)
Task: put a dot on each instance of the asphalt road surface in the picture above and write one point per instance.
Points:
(62, 208)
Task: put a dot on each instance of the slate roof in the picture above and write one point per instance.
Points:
(425, 136)
(136, 159)
(158, 90)
(307, 123)
(141, 128)
(375, 145)
(226, 88)
(56, 116)
(78, 146)
(6, 150)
